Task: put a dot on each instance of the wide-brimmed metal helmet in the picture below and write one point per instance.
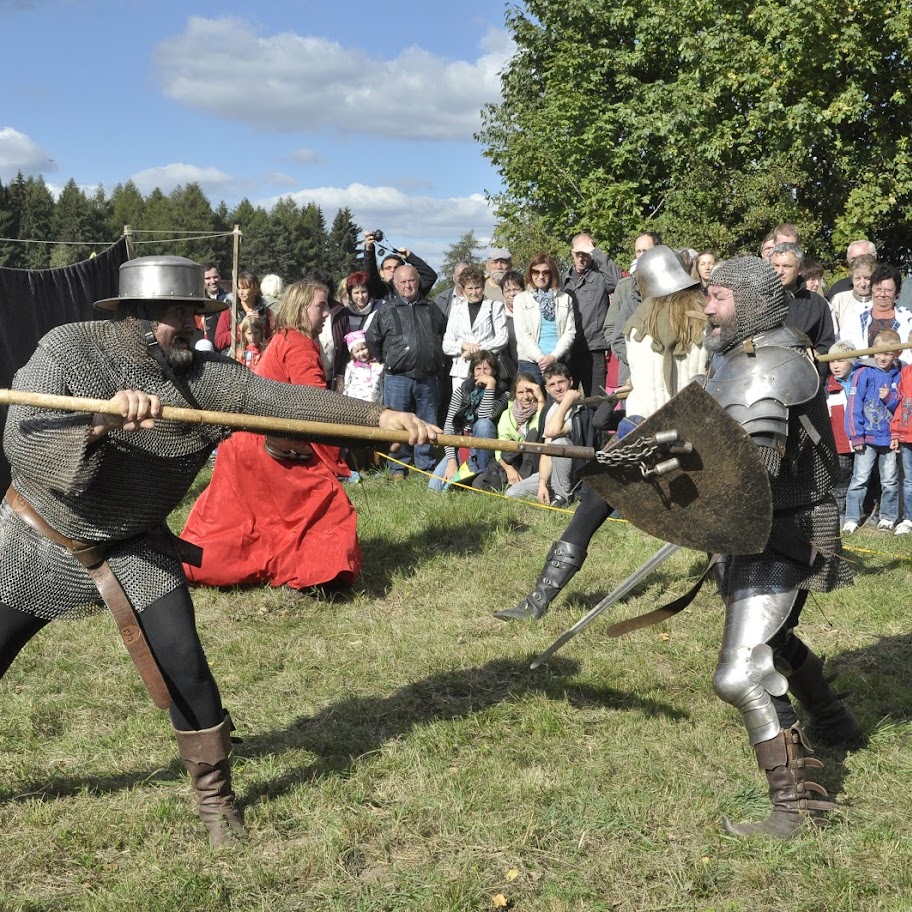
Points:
(163, 279)
(659, 272)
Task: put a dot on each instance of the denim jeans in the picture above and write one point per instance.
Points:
(885, 459)
(478, 459)
(406, 394)
(905, 450)
(530, 367)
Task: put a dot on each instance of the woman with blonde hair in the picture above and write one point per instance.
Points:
(275, 511)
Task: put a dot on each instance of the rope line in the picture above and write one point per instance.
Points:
(201, 237)
(73, 243)
(536, 504)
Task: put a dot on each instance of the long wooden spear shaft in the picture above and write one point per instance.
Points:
(859, 352)
(833, 356)
(268, 425)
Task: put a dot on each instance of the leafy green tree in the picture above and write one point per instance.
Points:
(710, 121)
(466, 250)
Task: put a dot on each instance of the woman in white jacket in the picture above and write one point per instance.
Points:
(543, 318)
(475, 323)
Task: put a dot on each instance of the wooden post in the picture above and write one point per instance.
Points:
(128, 236)
(234, 287)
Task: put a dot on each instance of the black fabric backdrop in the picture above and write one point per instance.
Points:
(33, 301)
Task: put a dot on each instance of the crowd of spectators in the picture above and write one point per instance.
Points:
(506, 352)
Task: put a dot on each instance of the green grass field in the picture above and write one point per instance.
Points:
(399, 754)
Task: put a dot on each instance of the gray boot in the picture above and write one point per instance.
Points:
(829, 720)
(564, 559)
(205, 755)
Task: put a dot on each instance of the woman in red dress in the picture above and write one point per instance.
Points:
(275, 511)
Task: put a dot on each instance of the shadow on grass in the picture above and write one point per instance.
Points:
(357, 726)
(354, 727)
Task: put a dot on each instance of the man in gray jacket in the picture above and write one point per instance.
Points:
(589, 282)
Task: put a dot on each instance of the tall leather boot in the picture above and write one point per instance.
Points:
(205, 755)
(784, 760)
(564, 559)
(829, 720)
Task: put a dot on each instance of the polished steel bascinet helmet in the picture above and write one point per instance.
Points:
(659, 272)
(162, 279)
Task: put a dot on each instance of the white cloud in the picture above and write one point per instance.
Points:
(304, 156)
(215, 183)
(288, 82)
(19, 152)
(425, 224)
(280, 179)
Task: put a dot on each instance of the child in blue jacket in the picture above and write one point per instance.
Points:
(873, 398)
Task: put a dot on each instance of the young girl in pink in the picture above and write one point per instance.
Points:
(363, 375)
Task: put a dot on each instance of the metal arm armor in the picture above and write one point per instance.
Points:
(757, 385)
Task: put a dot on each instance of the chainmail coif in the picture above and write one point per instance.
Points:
(760, 302)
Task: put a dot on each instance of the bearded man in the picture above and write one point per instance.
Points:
(761, 374)
(83, 523)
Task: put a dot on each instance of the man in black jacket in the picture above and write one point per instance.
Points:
(407, 337)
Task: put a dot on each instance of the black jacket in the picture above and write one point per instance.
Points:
(408, 338)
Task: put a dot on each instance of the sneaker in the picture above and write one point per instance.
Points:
(849, 528)
(886, 525)
(904, 528)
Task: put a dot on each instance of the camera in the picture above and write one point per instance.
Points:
(378, 235)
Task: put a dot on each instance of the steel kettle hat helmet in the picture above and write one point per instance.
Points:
(659, 272)
(163, 279)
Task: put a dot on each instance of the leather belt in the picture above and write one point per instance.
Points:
(92, 556)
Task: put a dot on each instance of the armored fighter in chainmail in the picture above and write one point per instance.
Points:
(83, 523)
(760, 373)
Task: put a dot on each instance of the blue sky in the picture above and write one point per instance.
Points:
(369, 105)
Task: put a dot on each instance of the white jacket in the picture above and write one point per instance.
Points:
(489, 332)
(527, 323)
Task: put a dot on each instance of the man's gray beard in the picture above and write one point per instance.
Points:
(498, 274)
(723, 342)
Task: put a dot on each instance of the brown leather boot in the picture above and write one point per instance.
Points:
(784, 760)
(564, 559)
(829, 721)
(205, 754)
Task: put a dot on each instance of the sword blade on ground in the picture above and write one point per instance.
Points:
(616, 595)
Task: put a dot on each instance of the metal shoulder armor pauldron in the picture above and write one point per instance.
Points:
(759, 380)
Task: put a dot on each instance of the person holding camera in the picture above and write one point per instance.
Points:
(381, 278)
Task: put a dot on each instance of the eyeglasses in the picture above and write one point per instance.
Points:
(541, 272)
(884, 293)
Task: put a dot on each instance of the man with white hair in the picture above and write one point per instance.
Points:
(498, 264)
(808, 311)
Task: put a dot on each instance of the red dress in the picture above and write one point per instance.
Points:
(285, 522)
